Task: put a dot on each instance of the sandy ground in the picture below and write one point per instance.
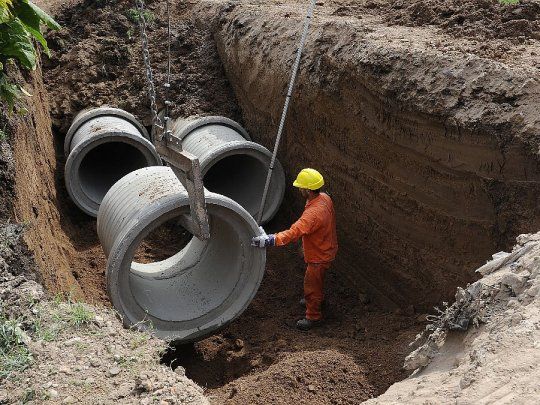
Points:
(496, 362)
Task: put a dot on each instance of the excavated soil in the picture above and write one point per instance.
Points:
(435, 143)
(473, 18)
(437, 165)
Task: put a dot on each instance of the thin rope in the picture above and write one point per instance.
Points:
(286, 107)
(168, 84)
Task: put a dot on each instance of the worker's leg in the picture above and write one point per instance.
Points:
(314, 289)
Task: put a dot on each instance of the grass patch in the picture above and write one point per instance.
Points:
(134, 16)
(509, 2)
(42, 332)
(78, 315)
(14, 355)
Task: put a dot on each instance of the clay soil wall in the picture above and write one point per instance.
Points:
(428, 172)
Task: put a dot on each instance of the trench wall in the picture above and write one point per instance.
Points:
(69, 258)
(426, 186)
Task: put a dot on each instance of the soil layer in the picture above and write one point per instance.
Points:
(428, 147)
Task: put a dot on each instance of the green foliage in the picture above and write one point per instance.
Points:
(509, 2)
(29, 395)
(45, 333)
(20, 25)
(9, 92)
(79, 315)
(14, 355)
(134, 15)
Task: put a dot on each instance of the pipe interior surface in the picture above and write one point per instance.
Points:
(231, 164)
(197, 281)
(240, 177)
(102, 146)
(105, 164)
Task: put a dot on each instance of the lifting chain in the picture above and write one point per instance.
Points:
(157, 122)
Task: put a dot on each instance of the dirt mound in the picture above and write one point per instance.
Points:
(471, 18)
(377, 342)
(495, 359)
(319, 377)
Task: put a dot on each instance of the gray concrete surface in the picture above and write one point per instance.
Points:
(232, 165)
(102, 145)
(197, 290)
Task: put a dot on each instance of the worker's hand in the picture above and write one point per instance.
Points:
(263, 241)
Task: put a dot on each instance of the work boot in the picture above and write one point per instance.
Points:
(307, 324)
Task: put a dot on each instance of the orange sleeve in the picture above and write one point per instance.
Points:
(304, 226)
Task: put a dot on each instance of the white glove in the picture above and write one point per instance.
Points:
(263, 240)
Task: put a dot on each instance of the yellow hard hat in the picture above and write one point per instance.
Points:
(310, 179)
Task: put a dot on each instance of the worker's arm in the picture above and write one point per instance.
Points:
(304, 226)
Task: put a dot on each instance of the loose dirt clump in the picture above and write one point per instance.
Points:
(319, 377)
(473, 18)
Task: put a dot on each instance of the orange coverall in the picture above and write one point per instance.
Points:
(317, 228)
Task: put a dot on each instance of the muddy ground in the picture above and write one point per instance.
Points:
(389, 123)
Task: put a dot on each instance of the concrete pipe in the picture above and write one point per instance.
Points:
(103, 145)
(231, 164)
(197, 290)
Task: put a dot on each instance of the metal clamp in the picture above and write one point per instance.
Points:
(186, 167)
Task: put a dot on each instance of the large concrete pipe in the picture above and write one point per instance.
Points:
(103, 145)
(197, 290)
(231, 164)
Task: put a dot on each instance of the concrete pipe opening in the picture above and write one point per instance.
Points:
(231, 164)
(199, 289)
(103, 145)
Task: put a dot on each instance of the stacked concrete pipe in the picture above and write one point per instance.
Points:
(103, 145)
(198, 290)
(231, 164)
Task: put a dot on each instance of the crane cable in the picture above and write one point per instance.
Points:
(296, 66)
(160, 125)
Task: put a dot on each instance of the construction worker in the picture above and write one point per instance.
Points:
(317, 228)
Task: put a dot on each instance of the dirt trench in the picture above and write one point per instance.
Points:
(432, 171)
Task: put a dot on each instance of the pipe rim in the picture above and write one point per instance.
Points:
(119, 269)
(77, 155)
(182, 128)
(88, 114)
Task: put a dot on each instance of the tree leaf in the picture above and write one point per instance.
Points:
(9, 92)
(5, 15)
(43, 16)
(15, 42)
(31, 22)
